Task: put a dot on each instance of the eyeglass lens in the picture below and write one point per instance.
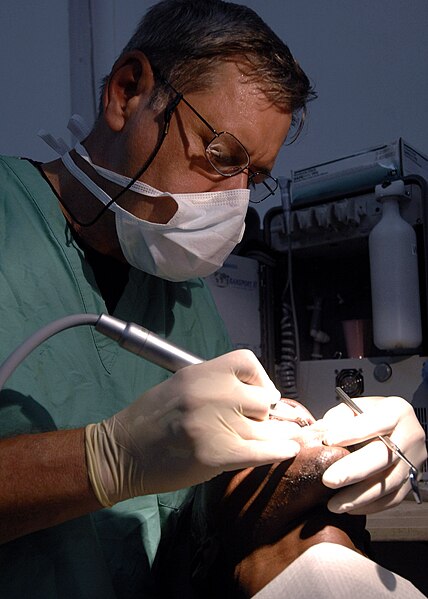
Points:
(262, 189)
(229, 157)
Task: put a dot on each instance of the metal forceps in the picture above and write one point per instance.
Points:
(413, 471)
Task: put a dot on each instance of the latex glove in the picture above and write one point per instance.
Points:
(292, 410)
(378, 479)
(205, 419)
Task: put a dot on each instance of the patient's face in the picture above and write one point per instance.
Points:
(292, 486)
(266, 502)
(281, 506)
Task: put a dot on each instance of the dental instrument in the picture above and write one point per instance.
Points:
(413, 471)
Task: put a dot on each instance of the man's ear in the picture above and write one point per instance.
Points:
(130, 80)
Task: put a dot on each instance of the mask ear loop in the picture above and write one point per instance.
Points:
(169, 111)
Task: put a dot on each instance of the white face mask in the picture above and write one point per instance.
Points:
(195, 242)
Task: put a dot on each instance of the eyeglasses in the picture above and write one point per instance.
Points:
(228, 157)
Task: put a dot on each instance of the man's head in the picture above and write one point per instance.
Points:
(186, 40)
(194, 71)
(233, 70)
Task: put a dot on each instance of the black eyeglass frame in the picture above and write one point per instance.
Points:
(252, 174)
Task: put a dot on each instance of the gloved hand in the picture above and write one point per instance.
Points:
(378, 479)
(205, 419)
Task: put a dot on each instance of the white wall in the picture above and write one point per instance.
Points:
(368, 60)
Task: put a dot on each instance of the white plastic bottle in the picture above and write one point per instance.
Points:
(394, 275)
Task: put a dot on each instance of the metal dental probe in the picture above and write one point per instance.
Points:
(413, 471)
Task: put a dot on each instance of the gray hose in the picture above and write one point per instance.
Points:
(130, 336)
(23, 350)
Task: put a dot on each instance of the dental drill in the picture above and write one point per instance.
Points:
(153, 348)
(130, 336)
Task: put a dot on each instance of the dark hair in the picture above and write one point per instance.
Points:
(185, 40)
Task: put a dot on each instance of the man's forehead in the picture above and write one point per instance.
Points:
(234, 103)
(231, 92)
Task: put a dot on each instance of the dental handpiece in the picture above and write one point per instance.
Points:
(144, 343)
(128, 335)
(413, 471)
(157, 350)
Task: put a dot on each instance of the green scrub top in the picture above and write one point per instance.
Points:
(78, 377)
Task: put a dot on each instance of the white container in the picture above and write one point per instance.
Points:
(394, 276)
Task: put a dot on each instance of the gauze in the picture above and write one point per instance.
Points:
(196, 240)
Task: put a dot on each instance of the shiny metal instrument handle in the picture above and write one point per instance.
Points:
(413, 471)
